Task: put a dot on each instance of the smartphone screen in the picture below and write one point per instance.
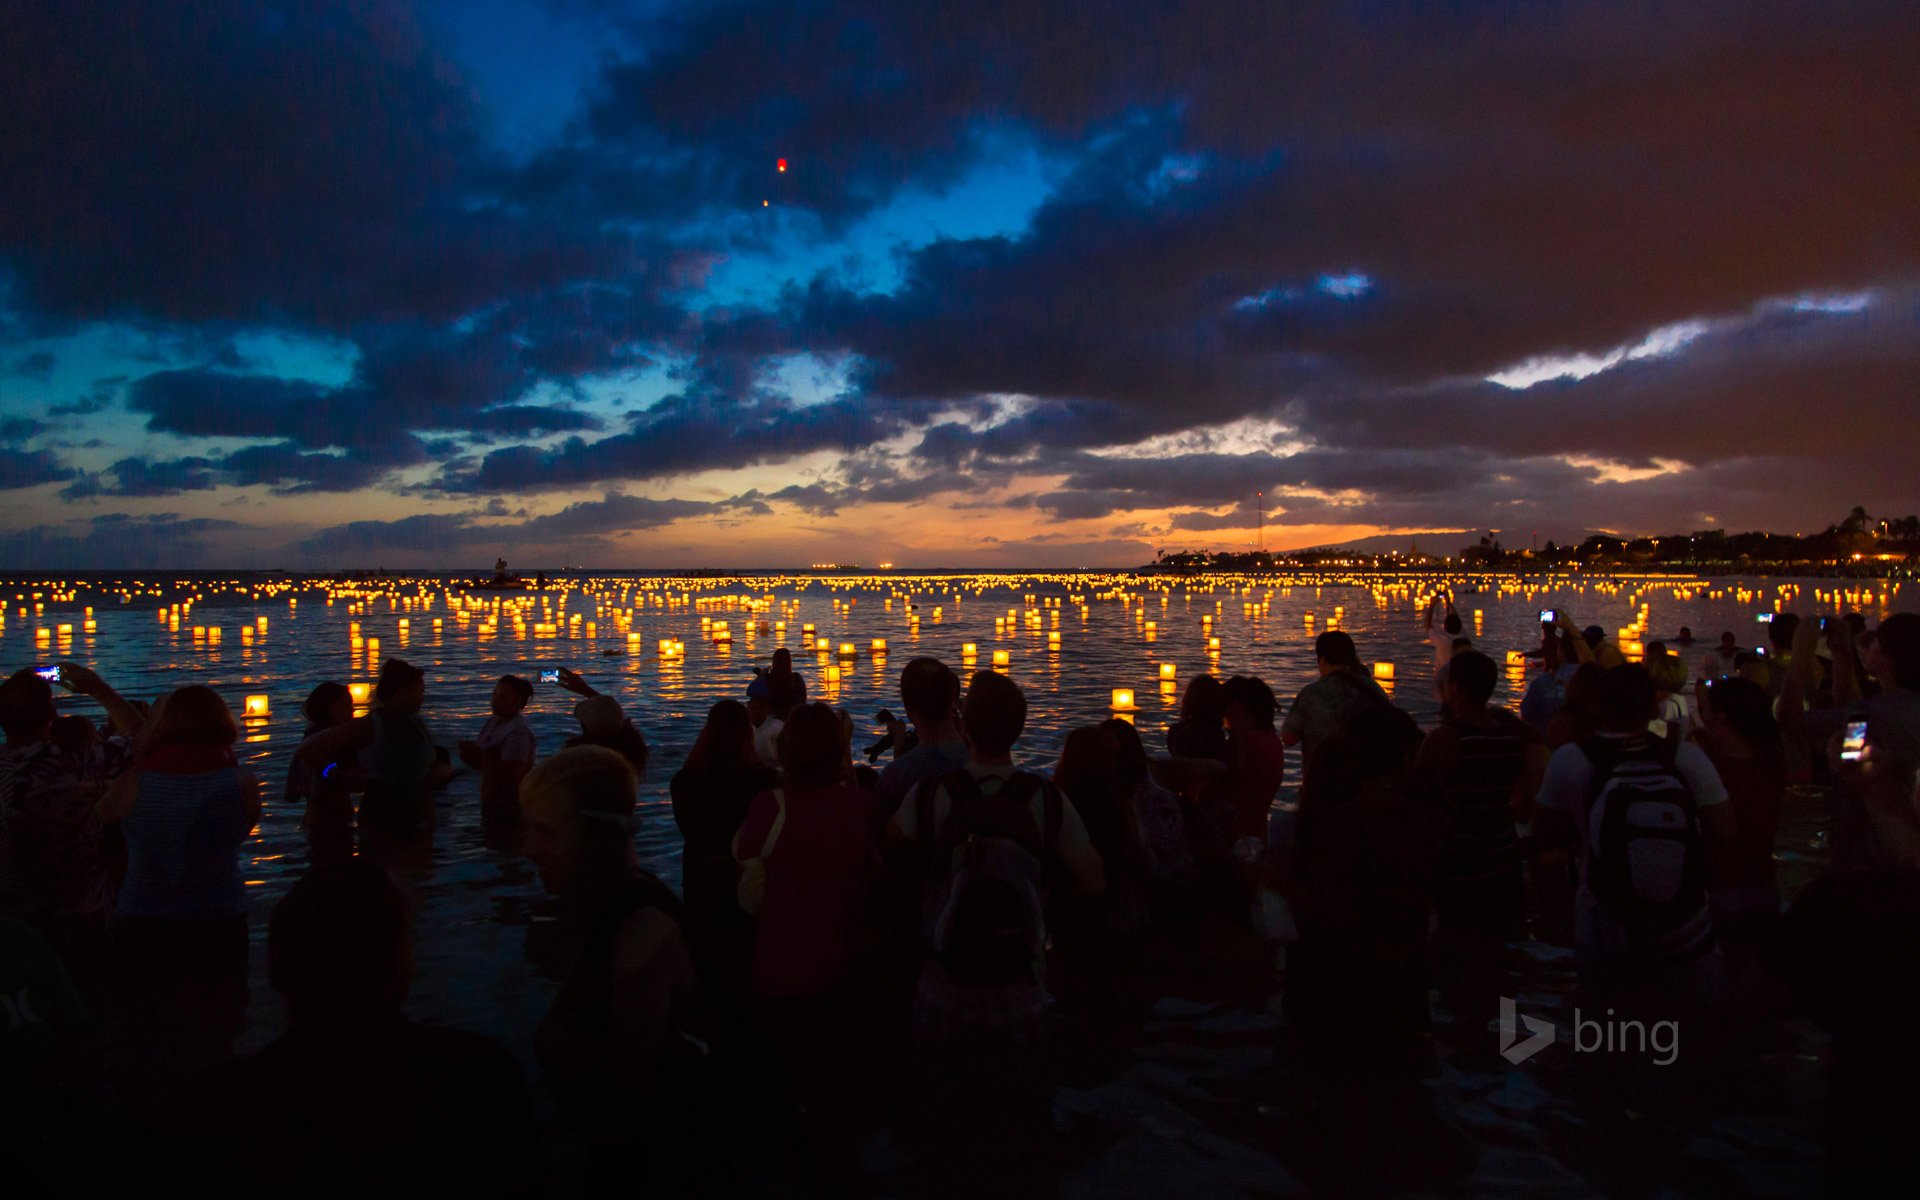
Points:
(50, 674)
(1854, 744)
(1549, 615)
(1763, 618)
(550, 676)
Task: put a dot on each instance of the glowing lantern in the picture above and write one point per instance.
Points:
(969, 650)
(1383, 671)
(1002, 658)
(1166, 672)
(256, 707)
(781, 166)
(1123, 699)
(359, 692)
(847, 650)
(879, 645)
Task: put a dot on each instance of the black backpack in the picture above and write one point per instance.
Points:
(985, 919)
(1646, 863)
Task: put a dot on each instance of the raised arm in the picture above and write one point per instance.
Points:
(341, 740)
(571, 681)
(125, 717)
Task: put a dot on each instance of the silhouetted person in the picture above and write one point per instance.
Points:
(354, 1094)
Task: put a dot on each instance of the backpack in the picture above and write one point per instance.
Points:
(1646, 865)
(986, 920)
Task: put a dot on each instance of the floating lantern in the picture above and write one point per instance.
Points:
(1516, 658)
(1002, 658)
(1123, 700)
(359, 692)
(255, 707)
(833, 673)
(1383, 671)
(1166, 672)
(969, 650)
(1213, 645)
(879, 645)
(847, 650)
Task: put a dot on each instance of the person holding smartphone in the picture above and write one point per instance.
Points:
(55, 867)
(504, 750)
(1886, 833)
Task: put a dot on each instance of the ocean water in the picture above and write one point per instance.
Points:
(475, 901)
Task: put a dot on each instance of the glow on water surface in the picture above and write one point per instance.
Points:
(473, 973)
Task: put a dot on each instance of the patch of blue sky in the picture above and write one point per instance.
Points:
(810, 379)
(996, 198)
(618, 393)
(1350, 286)
(328, 362)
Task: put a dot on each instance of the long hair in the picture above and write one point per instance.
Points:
(194, 715)
(725, 741)
(396, 675)
(813, 747)
(1088, 774)
(1204, 702)
(1749, 712)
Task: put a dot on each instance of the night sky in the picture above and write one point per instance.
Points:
(346, 285)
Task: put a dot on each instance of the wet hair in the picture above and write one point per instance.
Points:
(320, 701)
(1088, 774)
(339, 942)
(1749, 710)
(725, 740)
(928, 689)
(1204, 702)
(812, 747)
(26, 705)
(595, 786)
(1780, 630)
(1251, 693)
(194, 715)
(1336, 647)
(396, 675)
(519, 686)
(995, 713)
(1131, 753)
(1624, 701)
(1473, 676)
(1899, 637)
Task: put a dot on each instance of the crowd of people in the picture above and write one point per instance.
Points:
(929, 945)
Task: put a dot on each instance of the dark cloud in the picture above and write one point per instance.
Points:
(682, 434)
(145, 477)
(135, 542)
(303, 161)
(38, 365)
(587, 522)
(30, 468)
